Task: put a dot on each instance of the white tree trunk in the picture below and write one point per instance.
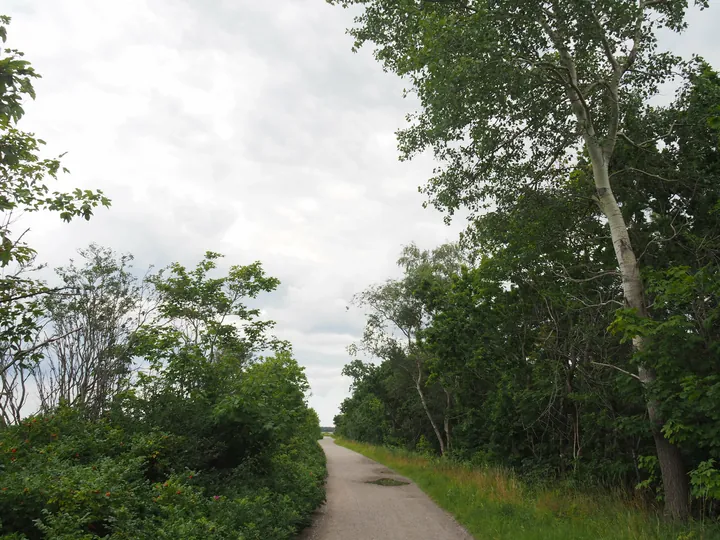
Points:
(675, 481)
(446, 420)
(418, 386)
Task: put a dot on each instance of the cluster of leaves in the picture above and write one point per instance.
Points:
(23, 188)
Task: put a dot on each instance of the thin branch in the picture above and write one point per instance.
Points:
(20, 354)
(630, 60)
(593, 306)
(651, 175)
(648, 3)
(661, 240)
(644, 144)
(580, 106)
(590, 87)
(606, 43)
(35, 293)
(615, 367)
(585, 280)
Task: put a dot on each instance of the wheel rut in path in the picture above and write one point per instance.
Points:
(359, 508)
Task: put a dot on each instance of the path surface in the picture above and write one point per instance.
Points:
(356, 510)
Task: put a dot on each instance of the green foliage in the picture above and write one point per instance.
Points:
(538, 114)
(544, 106)
(500, 84)
(23, 171)
(201, 306)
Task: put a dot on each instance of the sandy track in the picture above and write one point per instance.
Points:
(356, 510)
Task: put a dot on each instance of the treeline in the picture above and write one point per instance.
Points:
(153, 407)
(574, 330)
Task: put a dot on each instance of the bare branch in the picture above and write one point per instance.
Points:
(597, 305)
(618, 368)
(644, 144)
(651, 175)
(676, 232)
(593, 85)
(45, 343)
(566, 275)
(35, 293)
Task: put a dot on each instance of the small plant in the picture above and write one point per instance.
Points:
(705, 482)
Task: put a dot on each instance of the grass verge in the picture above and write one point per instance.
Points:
(493, 504)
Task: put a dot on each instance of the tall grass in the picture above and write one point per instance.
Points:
(494, 504)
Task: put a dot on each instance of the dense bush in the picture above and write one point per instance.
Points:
(127, 477)
(196, 436)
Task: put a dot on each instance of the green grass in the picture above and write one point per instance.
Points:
(493, 504)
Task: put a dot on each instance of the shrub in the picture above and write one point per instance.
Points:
(235, 465)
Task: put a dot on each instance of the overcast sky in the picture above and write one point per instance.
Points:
(246, 127)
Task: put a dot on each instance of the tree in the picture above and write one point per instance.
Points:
(94, 314)
(202, 320)
(527, 342)
(211, 313)
(400, 310)
(675, 222)
(508, 92)
(23, 188)
(530, 340)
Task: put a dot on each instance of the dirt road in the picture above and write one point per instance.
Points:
(358, 510)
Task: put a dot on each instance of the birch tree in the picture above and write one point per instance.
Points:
(398, 313)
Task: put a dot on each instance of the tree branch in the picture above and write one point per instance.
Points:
(35, 293)
(615, 367)
(630, 60)
(606, 43)
(651, 175)
(585, 280)
(578, 103)
(644, 144)
(20, 354)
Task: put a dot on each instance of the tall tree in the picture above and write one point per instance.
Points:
(509, 90)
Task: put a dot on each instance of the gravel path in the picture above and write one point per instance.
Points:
(356, 510)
